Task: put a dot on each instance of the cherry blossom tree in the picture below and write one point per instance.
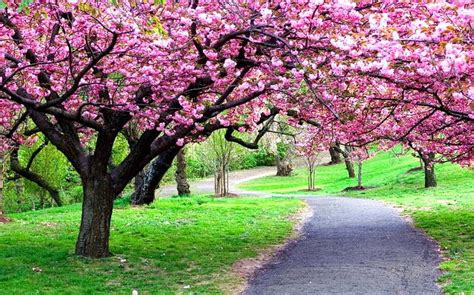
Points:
(309, 147)
(83, 71)
(360, 155)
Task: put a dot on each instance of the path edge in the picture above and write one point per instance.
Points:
(247, 268)
(404, 213)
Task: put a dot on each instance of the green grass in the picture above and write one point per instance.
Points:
(446, 212)
(182, 245)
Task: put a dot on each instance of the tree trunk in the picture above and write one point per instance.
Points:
(138, 181)
(349, 167)
(284, 166)
(335, 156)
(97, 206)
(145, 191)
(41, 204)
(180, 175)
(359, 174)
(348, 162)
(346, 154)
(220, 179)
(430, 176)
(311, 179)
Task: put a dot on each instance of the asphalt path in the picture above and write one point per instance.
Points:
(348, 246)
(352, 246)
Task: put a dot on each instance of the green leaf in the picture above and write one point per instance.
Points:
(24, 5)
(3, 5)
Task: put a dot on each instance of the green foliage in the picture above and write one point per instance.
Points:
(120, 150)
(282, 149)
(52, 165)
(160, 249)
(200, 164)
(445, 212)
(25, 3)
(16, 201)
(75, 194)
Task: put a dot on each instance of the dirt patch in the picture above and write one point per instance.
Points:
(228, 195)
(3, 219)
(246, 268)
(357, 188)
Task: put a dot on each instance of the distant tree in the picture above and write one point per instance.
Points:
(222, 155)
(429, 168)
(309, 143)
(359, 155)
(345, 152)
(335, 156)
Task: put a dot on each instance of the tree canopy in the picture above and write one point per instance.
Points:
(359, 71)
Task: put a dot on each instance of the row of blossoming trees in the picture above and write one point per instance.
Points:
(172, 73)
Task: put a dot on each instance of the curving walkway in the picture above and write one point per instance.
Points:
(348, 246)
(206, 185)
(352, 246)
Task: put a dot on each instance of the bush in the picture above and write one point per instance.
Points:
(73, 195)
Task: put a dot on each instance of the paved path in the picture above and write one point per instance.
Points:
(206, 186)
(352, 246)
(349, 246)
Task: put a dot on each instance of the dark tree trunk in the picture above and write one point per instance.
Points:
(335, 156)
(97, 206)
(139, 180)
(145, 192)
(430, 176)
(180, 175)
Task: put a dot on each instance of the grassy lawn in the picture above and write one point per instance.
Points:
(446, 212)
(182, 245)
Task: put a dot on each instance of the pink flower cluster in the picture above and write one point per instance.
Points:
(366, 71)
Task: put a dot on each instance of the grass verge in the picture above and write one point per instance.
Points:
(182, 245)
(446, 212)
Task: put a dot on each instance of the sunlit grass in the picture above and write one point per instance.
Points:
(176, 245)
(446, 212)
